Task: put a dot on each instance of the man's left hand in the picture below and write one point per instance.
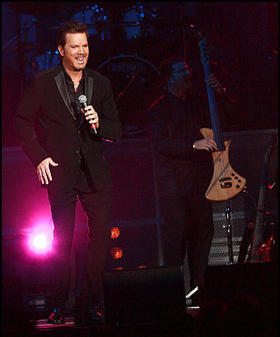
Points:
(91, 115)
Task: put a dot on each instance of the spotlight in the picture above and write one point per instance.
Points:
(40, 240)
(115, 232)
(116, 252)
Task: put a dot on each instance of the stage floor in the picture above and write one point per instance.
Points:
(149, 329)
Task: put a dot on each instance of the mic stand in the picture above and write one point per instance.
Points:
(122, 92)
(228, 228)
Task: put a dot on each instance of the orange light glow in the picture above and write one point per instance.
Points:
(115, 233)
(116, 252)
(142, 267)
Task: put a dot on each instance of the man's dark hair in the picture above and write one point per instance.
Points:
(166, 68)
(69, 27)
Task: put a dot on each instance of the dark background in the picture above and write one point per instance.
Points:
(127, 36)
(137, 36)
(242, 39)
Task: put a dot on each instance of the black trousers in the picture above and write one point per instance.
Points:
(97, 207)
(188, 227)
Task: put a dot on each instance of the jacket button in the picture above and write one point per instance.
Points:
(78, 152)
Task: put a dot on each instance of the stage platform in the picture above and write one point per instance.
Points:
(149, 329)
(240, 297)
(40, 328)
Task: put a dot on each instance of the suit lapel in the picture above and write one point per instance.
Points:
(61, 85)
(88, 88)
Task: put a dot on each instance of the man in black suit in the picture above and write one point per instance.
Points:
(64, 143)
(184, 169)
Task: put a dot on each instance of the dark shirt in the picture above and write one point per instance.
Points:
(174, 126)
(74, 96)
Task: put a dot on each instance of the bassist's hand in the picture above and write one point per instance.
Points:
(215, 84)
(205, 144)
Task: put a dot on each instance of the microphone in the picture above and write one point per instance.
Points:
(83, 101)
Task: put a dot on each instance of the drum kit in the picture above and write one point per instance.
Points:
(135, 79)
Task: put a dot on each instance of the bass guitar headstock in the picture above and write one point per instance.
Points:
(201, 40)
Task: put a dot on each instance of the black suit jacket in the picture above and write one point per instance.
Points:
(46, 104)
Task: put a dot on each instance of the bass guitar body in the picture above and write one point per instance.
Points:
(225, 183)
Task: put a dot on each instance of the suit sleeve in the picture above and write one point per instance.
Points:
(109, 124)
(172, 147)
(25, 117)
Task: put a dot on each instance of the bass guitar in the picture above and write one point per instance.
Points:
(225, 183)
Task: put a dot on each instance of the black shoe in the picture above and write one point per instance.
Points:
(56, 317)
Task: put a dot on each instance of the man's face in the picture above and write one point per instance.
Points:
(75, 51)
(181, 76)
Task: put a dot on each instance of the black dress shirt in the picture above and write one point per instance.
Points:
(84, 182)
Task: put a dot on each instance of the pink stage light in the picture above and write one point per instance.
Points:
(40, 240)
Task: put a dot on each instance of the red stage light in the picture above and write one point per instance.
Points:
(142, 267)
(271, 186)
(115, 232)
(116, 252)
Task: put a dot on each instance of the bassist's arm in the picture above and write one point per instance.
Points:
(172, 147)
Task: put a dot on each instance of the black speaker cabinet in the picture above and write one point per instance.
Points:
(144, 295)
